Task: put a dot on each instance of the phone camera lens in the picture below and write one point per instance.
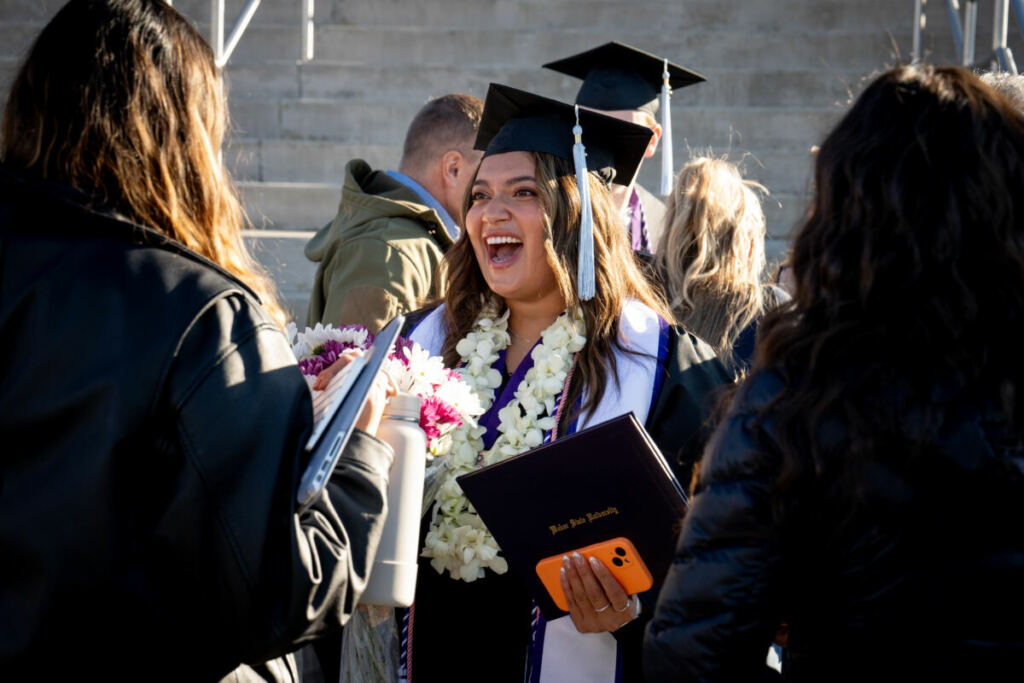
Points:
(617, 561)
(621, 552)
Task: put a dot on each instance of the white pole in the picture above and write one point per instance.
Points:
(916, 54)
(217, 29)
(970, 31)
(306, 50)
(239, 28)
(999, 23)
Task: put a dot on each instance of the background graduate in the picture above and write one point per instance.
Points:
(621, 81)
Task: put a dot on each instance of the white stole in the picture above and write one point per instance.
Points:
(568, 655)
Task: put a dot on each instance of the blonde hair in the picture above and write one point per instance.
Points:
(618, 278)
(122, 100)
(711, 254)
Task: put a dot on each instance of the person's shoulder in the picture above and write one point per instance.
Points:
(758, 390)
(427, 327)
(685, 340)
(744, 446)
(377, 231)
(110, 245)
(639, 318)
(414, 318)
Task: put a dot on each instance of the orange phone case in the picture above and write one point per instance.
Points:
(617, 554)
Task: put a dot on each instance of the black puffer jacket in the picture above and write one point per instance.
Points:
(916, 577)
(153, 420)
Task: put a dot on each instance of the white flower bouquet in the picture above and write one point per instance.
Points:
(370, 645)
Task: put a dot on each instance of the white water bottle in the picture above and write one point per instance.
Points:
(393, 576)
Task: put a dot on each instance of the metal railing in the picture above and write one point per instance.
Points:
(222, 49)
(965, 31)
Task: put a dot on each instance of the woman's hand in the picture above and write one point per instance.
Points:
(597, 602)
(383, 389)
(328, 373)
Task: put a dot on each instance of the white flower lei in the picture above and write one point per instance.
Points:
(458, 540)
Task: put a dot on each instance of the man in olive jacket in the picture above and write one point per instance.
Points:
(380, 254)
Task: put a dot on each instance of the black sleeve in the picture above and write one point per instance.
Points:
(250, 577)
(717, 611)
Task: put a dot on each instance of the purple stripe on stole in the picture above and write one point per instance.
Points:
(619, 669)
(403, 646)
(490, 419)
(659, 369)
(535, 653)
(638, 223)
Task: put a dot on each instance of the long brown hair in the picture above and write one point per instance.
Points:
(909, 280)
(711, 254)
(122, 100)
(618, 278)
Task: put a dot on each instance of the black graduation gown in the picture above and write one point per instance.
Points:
(480, 631)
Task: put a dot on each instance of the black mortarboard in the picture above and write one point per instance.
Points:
(519, 121)
(616, 76)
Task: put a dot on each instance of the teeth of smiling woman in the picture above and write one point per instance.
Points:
(503, 240)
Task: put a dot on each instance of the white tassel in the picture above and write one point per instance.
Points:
(585, 266)
(667, 172)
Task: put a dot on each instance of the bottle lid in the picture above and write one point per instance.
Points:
(403, 406)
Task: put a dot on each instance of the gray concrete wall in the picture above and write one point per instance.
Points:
(779, 73)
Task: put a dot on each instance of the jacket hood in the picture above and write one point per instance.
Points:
(370, 195)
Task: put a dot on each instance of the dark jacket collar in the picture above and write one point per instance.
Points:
(41, 196)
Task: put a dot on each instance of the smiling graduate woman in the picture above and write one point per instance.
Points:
(546, 307)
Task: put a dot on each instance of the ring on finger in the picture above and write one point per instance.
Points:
(629, 601)
(604, 608)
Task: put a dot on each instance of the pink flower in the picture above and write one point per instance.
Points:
(436, 414)
(402, 345)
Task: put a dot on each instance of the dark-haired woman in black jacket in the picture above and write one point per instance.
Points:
(866, 487)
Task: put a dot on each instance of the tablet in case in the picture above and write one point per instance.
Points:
(336, 409)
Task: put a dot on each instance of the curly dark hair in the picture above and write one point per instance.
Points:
(910, 279)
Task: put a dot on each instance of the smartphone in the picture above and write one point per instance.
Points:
(617, 554)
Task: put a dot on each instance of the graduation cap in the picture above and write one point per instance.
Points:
(617, 76)
(519, 121)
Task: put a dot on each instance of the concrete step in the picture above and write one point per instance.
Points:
(738, 48)
(303, 160)
(413, 83)
(424, 46)
(309, 206)
(358, 123)
(268, 12)
(30, 11)
(637, 17)
(16, 37)
(647, 16)
(290, 206)
(780, 170)
(275, 12)
(281, 254)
